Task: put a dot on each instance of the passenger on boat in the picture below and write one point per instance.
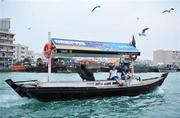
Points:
(113, 73)
(126, 75)
(86, 74)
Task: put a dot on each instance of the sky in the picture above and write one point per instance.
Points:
(115, 21)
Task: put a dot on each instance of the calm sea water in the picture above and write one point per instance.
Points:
(164, 102)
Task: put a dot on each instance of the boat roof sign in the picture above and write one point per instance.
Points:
(81, 48)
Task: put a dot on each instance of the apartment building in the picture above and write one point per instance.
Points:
(6, 43)
(21, 52)
(166, 57)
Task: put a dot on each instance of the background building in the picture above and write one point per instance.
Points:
(30, 54)
(22, 52)
(166, 57)
(146, 62)
(6, 43)
(5, 24)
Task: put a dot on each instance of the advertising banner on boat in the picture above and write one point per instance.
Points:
(92, 45)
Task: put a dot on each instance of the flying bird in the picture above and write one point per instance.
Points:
(96, 7)
(143, 32)
(168, 11)
(29, 28)
(137, 18)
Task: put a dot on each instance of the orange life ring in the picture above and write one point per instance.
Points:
(133, 57)
(47, 50)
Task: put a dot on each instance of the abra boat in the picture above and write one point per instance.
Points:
(68, 90)
(50, 91)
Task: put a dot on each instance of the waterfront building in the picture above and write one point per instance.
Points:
(146, 62)
(22, 52)
(166, 57)
(5, 24)
(30, 55)
(6, 43)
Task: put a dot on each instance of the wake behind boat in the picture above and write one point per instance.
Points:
(68, 90)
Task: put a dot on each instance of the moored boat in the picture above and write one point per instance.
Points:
(167, 68)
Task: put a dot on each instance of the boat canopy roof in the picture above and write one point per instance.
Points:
(79, 48)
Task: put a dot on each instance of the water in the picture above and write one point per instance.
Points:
(164, 102)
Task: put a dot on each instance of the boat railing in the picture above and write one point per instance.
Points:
(26, 81)
(98, 83)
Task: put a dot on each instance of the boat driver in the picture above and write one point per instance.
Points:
(86, 74)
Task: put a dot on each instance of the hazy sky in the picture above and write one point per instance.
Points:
(115, 21)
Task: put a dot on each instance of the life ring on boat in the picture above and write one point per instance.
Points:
(133, 57)
(47, 50)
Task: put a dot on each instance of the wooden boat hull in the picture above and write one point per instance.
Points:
(70, 93)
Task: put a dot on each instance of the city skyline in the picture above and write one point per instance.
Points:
(115, 21)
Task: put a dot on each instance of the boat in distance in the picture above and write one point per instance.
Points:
(167, 68)
(54, 91)
(70, 90)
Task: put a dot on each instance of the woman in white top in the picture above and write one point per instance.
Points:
(113, 73)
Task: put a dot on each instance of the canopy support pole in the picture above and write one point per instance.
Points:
(49, 60)
(132, 67)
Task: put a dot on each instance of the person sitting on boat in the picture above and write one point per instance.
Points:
(113, 74)
(126, 75)
(85, 74)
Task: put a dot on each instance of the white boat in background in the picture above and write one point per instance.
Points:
(167, 68)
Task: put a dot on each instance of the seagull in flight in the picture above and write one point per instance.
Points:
(168, 11)
(137, 18)
(29, 28)
(96, 8)
(143, 32)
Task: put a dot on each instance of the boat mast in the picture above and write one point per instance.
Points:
(49, 60)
